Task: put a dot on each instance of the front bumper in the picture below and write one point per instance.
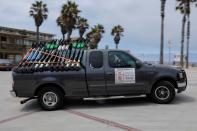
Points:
(181, 86)
(13, 93)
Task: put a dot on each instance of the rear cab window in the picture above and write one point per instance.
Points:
(96, 59)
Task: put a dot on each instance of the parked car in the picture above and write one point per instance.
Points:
(106, 74)
(6, 64)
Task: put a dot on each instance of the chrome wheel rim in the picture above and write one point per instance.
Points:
(50, 99)
(162, 93)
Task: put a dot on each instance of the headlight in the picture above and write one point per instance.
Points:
(181, 75)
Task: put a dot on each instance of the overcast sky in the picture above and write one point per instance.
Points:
(141, 20)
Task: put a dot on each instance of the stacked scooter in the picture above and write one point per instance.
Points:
(57, 55)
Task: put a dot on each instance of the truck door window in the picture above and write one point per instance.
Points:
(118, 59)
(96, 59)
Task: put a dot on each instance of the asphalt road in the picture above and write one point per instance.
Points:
(131, 114)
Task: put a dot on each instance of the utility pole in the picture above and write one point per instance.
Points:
(169, 46)
(162, 30)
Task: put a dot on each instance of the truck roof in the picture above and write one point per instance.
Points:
(108, 50)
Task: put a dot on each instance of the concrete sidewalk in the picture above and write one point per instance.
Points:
(112, 115)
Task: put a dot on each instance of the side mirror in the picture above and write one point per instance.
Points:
(138, 64)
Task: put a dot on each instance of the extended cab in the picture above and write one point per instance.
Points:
(105, 73)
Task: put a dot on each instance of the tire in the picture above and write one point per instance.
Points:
(163, 92)
(51, 98)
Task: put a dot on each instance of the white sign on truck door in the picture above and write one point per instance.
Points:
(124, 75)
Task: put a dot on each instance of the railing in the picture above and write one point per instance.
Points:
(12, 47)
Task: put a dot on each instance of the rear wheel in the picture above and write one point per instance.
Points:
(51, 98)
(163, 92)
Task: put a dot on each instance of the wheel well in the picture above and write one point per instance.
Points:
(172, 81)
(46, 85)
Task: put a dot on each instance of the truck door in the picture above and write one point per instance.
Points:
(95, 73)
(122, 76)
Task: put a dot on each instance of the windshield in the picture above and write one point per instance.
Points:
(139, 61)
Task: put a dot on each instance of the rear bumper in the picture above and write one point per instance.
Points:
(5, 67)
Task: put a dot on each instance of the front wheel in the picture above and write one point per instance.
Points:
(163, 92)
(51, 98)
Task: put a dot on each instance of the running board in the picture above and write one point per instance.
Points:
(109, 97)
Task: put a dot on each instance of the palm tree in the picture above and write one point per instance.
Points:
(60, 23)
(106, 47)
(117, 33)
(188, 32)
(89, 39)
(188, 11)
(39, 12)
(82, 25)
(182, 8)
(69, 14)
(162, 30)
(95, 35)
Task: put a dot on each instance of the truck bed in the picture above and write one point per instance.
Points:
(72, 82)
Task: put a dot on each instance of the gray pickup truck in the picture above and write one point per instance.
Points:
(105, 74)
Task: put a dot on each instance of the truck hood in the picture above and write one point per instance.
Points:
(164, 67)
(169, 67)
